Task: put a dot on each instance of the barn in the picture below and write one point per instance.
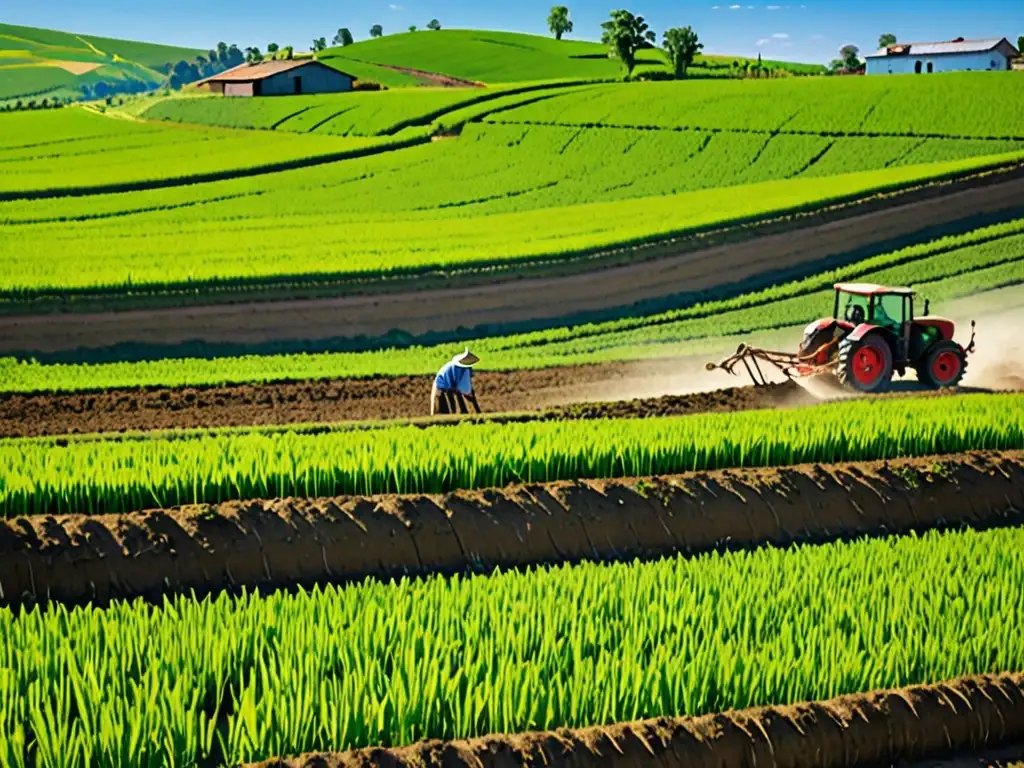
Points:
(278, 78)
(959, 55)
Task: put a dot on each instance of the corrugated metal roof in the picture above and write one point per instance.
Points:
(244, 73)
(933, 49)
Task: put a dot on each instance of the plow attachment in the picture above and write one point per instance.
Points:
(793, 366)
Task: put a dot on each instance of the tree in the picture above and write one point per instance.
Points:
(1020, 45)
(376, 31)
(850, 54)
(223, 52)
(235, 56)
(884, 41)
(344, 37)
(272, 49)
(288, 53)
(626, 34)
(412, 27)
(681, 45)
(434, 24)
(253, 56)
(319, 44)
(558, 21)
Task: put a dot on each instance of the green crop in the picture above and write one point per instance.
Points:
(896, 106)
(107, 151)
(41, 476)
(235, 679)
(942, 270)
(330, 223)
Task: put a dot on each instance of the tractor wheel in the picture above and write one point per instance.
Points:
(943, 366)
(865, 365)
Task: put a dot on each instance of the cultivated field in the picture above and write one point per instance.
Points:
(231, 533)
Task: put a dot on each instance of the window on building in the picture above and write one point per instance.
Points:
(917, 67)
(931, 67)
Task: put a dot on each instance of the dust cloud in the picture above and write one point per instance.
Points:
(997, 363)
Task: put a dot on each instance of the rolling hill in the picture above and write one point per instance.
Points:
(45, 63)
(511, 57)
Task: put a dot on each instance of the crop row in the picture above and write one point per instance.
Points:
(43, 476)
(102, 158)
(245, 678)
(350, 114)
(987, 105)
(943, 269)
(439, 206)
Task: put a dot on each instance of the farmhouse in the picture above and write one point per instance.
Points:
(959, 55)
(278, 78)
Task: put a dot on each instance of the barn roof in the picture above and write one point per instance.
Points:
(947, 46)
(245, 73)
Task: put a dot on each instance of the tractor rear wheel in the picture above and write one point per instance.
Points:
(943, 366)
(865, 365)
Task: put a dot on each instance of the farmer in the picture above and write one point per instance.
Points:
(453, 384)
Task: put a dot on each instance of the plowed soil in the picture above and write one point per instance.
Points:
(403, 397)
(880, 728)
(271, 544)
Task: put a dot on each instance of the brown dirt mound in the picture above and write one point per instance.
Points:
(271, 544)
(872, 729)
(337, 400)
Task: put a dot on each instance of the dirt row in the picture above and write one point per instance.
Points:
(879, 728)
(558, 392)
(284, 542)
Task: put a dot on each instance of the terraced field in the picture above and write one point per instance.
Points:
(229, 534)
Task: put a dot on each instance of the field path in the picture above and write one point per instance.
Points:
(658, 272)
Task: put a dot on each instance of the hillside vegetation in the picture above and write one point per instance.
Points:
(504, 57)
(45, 63)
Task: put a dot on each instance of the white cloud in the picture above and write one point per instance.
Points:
(763, 41)
(772, 7)
(714, 7)
(733, 7)
(780, 35)
(395, 7)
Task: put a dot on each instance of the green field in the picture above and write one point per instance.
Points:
(82, 149)
(503, 57)
(486, 198)
(356, 114)
(247, 678)
(942, 270)
(45, 49)
(47, 476)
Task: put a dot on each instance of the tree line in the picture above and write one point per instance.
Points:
(344, 36)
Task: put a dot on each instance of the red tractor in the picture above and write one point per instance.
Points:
(872, 334)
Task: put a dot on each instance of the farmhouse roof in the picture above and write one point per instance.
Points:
(245, 73)
(947, 46)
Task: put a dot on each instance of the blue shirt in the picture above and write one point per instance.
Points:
(454, 378)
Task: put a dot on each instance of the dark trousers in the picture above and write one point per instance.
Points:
(446, 402)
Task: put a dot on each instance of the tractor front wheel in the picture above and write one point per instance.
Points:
(865, 365)
(943, 366)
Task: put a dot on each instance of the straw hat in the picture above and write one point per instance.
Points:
(466, 359)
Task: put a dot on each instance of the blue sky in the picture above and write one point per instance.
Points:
(812, 30)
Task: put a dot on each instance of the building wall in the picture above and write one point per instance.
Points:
(315, 79)
(944, 62)
(238, 89)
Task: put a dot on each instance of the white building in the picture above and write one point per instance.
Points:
(993, 54)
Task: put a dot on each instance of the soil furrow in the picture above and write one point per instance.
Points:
(287, 542)
(880, 728)
(577, 392)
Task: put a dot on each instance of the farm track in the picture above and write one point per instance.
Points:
(876, 730)
(287, 542)
(657, 273)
